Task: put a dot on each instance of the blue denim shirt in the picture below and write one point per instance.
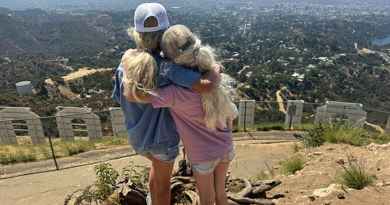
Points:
(153, 130)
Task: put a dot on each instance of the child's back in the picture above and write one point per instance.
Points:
(184, 48)
(149, 129)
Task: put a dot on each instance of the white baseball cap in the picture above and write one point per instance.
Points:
(146, 10)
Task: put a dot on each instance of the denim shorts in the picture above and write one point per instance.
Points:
(208, 167)
(168, 157)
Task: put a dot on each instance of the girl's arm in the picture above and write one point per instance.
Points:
(142, 97)
(191, 79)
(163, 97)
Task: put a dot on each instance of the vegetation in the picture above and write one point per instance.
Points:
(341, 133)
(297, 147)
(269, 126)
(262, 175)
(107, 179)
(292, 164)
(137, 175)
(269, 173)
(104, 186)
(354, 174)
(10, 154)
(273, 47)
(314, 137)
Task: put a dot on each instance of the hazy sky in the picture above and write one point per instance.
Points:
(129, 4)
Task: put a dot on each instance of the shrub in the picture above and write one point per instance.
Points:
(354, 175)
(116, 140)
(381, 139)
(269, 126)
(106, 180)
(293, 164)
(27, 155)
(314, 137)
(45, 151)
(104, 187)
(138, 175)
(344, 133)
(22, 154)
(74, 147)
(6, 158)
(336, 133)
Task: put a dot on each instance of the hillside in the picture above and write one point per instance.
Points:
(31, 68)
(316, 55)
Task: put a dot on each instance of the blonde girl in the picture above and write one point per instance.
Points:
(152, 132)
(202, 120)
(181, 46)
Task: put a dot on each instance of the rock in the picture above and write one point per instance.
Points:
(231, 202)
(383, 184)
(302, 191)
(261, 189)
(380, 184)
(375, 147)
(324, 192)
(340, 161)
(315, 154)
(340, 195)
(251, 201)
(330, 149)
(311, 198)
(273, 183)
(278, 196)
(327, 203)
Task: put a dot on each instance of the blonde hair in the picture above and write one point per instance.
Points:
(146, 41)
(138, 73)
(184, 48)
(139, 65)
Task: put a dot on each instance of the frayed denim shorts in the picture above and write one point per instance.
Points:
(168, 157)
(208, 167)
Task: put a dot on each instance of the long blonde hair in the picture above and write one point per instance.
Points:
(184, 48)
(146, 41)
(138, 73)
(139, 65)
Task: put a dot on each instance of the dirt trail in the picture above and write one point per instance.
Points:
(51, 188)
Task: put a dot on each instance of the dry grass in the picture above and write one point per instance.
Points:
(354, 174)
(342, 134)
(293, 164)
(27, 152)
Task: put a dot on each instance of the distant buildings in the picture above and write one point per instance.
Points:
(25, 88)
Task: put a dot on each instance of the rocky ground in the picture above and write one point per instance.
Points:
(51, 188)
(317, 182)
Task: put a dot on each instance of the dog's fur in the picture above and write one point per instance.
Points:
(184, 48)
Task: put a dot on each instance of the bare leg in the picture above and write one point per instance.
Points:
(160, 182)
(205, 185)
(220, 183)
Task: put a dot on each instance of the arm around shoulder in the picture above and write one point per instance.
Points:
(209, 81)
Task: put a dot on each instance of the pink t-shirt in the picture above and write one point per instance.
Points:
(201, 143)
